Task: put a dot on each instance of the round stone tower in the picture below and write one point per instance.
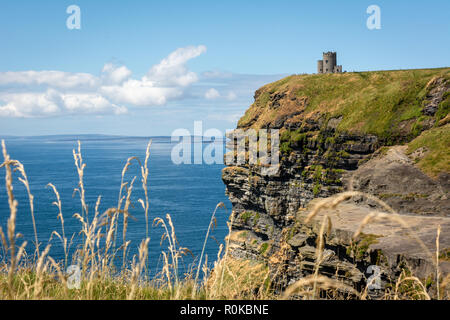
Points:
(319, 66)
(329, 62)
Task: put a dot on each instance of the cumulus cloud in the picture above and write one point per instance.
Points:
(172, 71)
(29, 104)
(212, 94)
(50, 93)
(141, 93)
(54, 103)
(90, 104)
(55, 79)
(112, 74)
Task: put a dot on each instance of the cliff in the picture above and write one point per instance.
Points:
(382, 133)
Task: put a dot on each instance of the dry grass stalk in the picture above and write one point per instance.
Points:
(126, 214)
(211, 225)
(227, 247)
(319, 249)
(146, 204)
(121, 198)
(111, 217)
(80, 170)
(242, 279)
(60, 216)
(41, 267)
(4, 243)
(12, 217)
(171, 269)
(443, 287)
(416, 293)
(91, 233)
(216, 268)
(60, 275)
(138, 267)
(144, 180)
(321, 282)
(19, 167)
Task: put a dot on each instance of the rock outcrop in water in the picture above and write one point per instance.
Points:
(382, 133)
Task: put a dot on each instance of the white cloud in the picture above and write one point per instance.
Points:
(50, 93)
(172, 71)
(141, 93)
(112, 74)
(90, 104)
(57, 79)
(164, 82)
(212, 94)
(29, 104)
(53, 103)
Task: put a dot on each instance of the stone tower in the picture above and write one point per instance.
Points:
(320, 66)
(328, 64)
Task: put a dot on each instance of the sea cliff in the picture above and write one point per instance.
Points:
(381, 135)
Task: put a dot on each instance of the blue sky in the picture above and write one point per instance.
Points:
(149, 67)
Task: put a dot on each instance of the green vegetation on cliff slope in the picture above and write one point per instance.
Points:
(403, 106)
(388, 104)
(435, 145)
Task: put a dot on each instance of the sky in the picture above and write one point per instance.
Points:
(147, 68)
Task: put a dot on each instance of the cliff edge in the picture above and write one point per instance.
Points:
(384, 134)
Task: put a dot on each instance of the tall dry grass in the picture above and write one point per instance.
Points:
(228, 278)
(43, 277)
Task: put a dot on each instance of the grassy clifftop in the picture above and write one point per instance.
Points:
(404, 106)
(389, 104)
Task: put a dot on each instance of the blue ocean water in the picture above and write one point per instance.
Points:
(189, 193)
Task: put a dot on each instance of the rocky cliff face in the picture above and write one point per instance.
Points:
(326, 149)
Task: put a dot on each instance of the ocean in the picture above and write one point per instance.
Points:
(188, 192)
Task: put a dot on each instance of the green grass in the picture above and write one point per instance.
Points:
(292, 140)
(436, 143)
(98, 289)
(247, 215)
(361, 246)
(444, 107)
(263, 248)
(369, 102)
